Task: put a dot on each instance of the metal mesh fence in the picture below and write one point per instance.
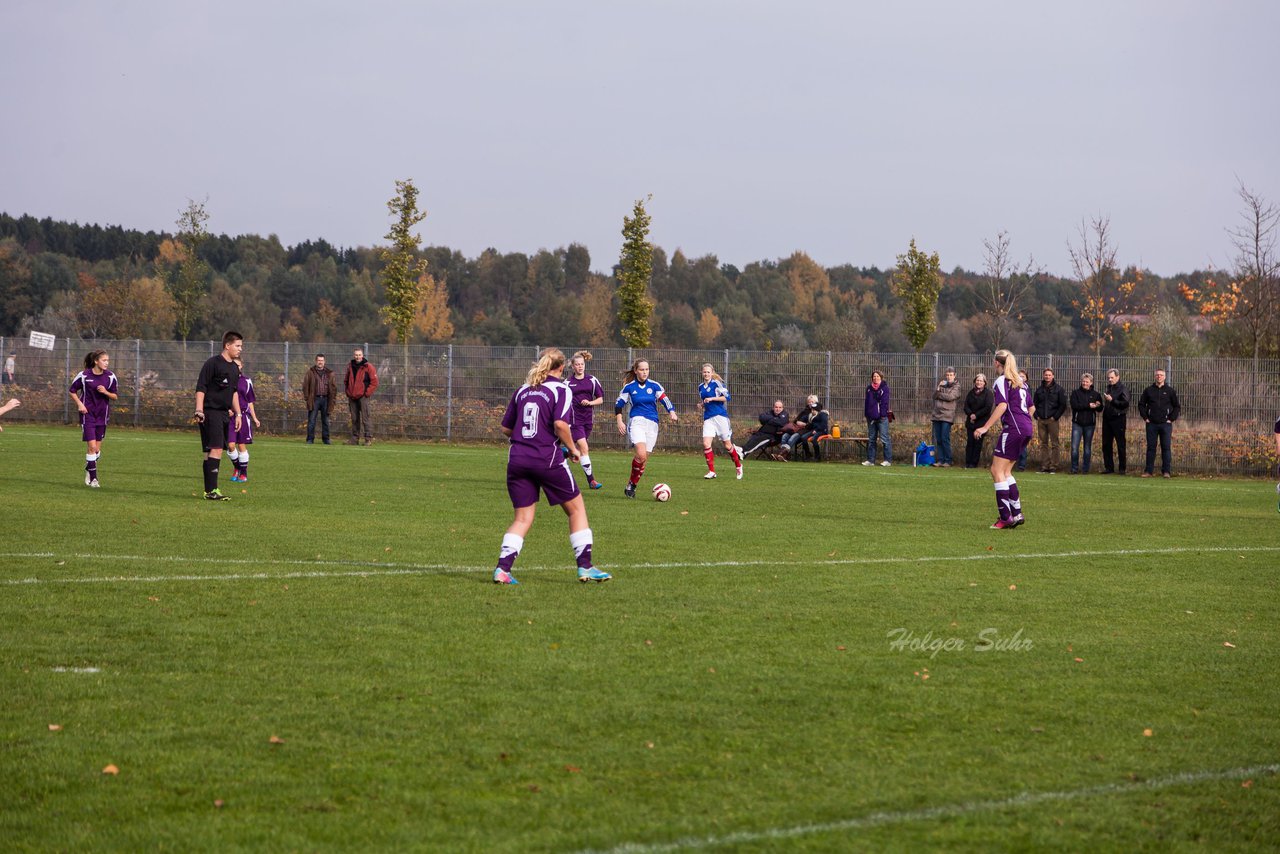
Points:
(458, 393)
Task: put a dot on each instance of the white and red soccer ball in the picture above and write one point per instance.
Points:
(661, 492)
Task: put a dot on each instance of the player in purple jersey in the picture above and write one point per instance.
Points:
(1013, 410)
(587, 394)
(238, 441)
(1277, 454)
(537, 422)
(92, 391)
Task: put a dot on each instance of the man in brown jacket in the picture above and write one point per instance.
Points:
(318, 388)
(360, 384)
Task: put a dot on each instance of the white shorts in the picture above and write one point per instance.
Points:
(717, 426)
(642, 431)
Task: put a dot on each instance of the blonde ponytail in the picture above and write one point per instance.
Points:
(1010, 364)
(549, 360)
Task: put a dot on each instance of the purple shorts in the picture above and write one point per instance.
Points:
(523, 483)
(243, 436)
(1009, 446)
(580, 432)
(94, 432)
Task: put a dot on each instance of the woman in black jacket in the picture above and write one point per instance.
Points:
(978, 404)
(819, 425)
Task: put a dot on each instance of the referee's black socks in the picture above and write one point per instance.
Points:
(210, 474)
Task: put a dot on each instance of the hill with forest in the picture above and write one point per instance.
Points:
(93, 281)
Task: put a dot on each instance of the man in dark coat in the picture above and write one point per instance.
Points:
(1115, 410)
(770, 431)
(1050, 400)
(1159, 408)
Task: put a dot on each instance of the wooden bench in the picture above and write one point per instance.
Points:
(844, 448)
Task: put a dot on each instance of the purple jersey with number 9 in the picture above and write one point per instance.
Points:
(531, 417)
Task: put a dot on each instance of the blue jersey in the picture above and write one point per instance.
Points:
(643, 399)
(714, 388)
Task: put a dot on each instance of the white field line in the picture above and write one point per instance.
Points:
(882, 819)
(365, 569)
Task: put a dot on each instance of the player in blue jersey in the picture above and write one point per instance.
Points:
(92, 391)
(238, 441)
(713, 394)
(1013, 409)
(587, 395)
(641, 396)
(537, 422)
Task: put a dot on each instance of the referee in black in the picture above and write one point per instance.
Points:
(216, 404)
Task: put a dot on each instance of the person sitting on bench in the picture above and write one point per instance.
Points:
(770, 432)
(819, 425)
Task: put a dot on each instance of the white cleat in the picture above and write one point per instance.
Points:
(885, 463)
(739, 470)
(867, 463)
(94, 483)
(709, 476)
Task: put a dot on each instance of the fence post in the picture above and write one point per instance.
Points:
(828, 395)
(726, 365)
(448, 411)
(66, 379)
(284, 410)
(137, 382)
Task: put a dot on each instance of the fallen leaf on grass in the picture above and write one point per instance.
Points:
(1037, 729)
(831, 554)
(54, 727)
(387, 549)
(219, 804)
(711, 670)
(153, 598)
(839, 649)
(535, 789)
(649, 744)
(573, 769)
(1228, 644)
(1079, 661)
(1247, 784)
(111, 769)
(1013, 587)
(648, 643)
(275, 739)
(684, 512)
(1147, 733)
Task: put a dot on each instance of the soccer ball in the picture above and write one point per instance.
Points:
(661, 492)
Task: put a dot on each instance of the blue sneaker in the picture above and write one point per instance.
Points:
(501, 576)
(592, 574)
(595, 484)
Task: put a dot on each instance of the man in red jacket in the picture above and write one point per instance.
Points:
(360, 384)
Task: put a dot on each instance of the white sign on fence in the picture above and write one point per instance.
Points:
(43, 340)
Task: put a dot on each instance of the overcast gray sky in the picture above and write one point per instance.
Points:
(839, 128)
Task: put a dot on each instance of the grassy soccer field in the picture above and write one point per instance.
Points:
(817, 658)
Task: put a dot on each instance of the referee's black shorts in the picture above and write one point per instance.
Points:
(213, 429)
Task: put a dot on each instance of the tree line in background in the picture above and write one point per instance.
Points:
(91, 281)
